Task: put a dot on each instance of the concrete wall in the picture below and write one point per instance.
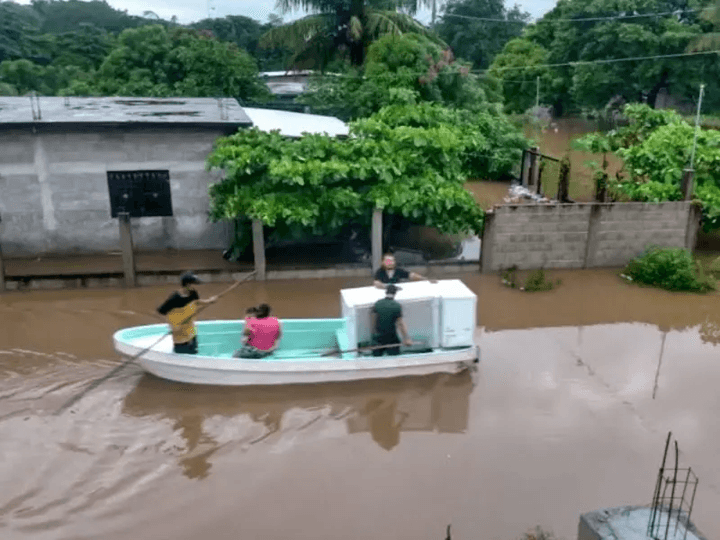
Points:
(54, 195)
(583, 235)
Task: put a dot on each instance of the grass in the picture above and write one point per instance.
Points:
(672, 269)
(535, 281)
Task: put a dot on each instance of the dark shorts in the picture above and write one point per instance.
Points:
(386, 340)
(189, 347)
(248, 351)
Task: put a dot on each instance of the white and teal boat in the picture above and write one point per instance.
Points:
(440, 316)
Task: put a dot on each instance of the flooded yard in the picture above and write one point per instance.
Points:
(568, 412)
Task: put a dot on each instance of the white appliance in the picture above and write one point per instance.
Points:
(458, 314)
(441, 314)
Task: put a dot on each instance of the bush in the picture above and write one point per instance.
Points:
(536, 281)
(673, 269)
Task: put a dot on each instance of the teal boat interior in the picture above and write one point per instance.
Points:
(301, 338)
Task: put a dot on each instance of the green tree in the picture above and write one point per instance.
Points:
(710, 40)
(321, 183)
(153, 61)
(86, 47)
(655, 148)
(518, 68)
(18, 27)
(580, 36)
(475, 40)
(66, 15)
(341, 29)
(245, 33)
(23, 76)
(397, 68)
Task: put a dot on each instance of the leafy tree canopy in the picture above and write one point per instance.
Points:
(655, 147)
(475, 40)
(585, 83)
(246, 33)
(19, 26)
(409, 161)
(338, 29)
(403, 68)
(59, 16)
(154, 61)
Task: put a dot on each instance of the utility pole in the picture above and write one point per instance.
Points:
(689, 173)
(537, 93)
(697, 126)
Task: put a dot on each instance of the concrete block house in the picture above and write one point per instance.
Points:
(61, 159)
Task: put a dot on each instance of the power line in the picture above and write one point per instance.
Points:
(536, 66)
(610, 60)
(584, 19)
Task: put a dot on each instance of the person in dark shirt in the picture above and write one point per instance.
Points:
(389, 273)
(180, 309)
(386, 321)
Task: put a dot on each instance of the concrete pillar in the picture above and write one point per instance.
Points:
(128, 251)
(563, 193)
(591, 244)
(534, 168)
(259, 249)
(687, 184)
(376, 238)
(538, 183)
(487, 245)
(693, 226)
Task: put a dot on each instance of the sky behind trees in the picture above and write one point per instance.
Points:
(188, 11)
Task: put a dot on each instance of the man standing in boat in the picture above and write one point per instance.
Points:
(180, 309)
(389, 273)
(386, 321)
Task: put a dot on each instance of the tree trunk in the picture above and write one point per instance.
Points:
(653, 94)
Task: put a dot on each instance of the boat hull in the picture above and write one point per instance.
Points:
(250, 373)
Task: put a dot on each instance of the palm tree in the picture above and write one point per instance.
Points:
(710, 40)
(342, 28)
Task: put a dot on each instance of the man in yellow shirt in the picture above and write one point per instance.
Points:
(180, 308)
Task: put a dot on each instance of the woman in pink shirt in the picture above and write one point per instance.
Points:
(261, 335)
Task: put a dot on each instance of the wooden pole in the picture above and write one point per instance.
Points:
(376, 238)
(525, 169)
(687, 184)
(538, 184)
(259, 249)
(487, 244)
(128, 251)
(563, 193)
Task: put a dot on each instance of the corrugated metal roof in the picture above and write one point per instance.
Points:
(111, 110)
(292, 124)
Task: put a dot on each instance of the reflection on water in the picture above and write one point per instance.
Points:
(436, 403)
(710, 332)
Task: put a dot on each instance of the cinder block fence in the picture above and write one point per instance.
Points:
(583, 235)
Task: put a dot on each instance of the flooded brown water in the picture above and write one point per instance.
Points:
(557, 140)
(567, 413)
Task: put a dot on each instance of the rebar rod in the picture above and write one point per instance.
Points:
(658, 486)
(672, 495)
